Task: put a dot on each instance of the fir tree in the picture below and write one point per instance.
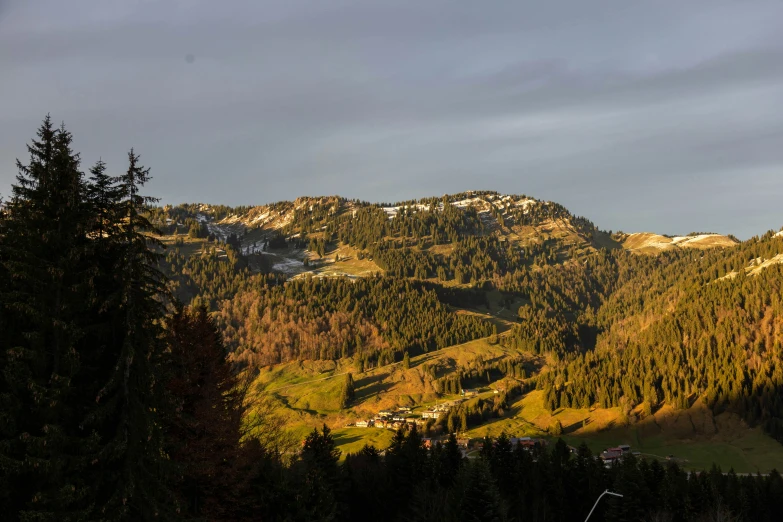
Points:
(130, 401)
(320, 491)
(43, 248)
(479, 500)
(204, 430)
(347, 394)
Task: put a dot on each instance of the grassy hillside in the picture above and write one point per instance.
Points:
(307, 395)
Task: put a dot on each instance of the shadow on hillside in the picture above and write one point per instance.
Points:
(699, 426)
(344, 438)
(572, 428)
(423, 359)
(370, 386)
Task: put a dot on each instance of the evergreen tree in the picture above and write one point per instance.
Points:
(318, 498)
(130, 400)
(205, 427)
(348, 393)
(43, 248)
(479, 500)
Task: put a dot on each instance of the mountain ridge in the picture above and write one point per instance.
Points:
(255, 223)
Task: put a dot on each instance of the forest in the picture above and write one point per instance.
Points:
(127, 367)
(620, 329)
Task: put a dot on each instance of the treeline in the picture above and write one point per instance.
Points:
(408, 482)
(375, 319)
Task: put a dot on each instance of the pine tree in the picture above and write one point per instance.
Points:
(318, 496)
(130, 400)
(348, 393)
(204, 431)
(479, 499)
(43, 247)
(450, 460)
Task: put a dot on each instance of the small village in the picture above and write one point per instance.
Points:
(405, 418)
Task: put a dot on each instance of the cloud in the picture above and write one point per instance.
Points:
(641, 117)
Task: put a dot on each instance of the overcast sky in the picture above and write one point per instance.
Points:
(659, 116)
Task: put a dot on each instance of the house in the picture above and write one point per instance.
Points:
(612, 454)
(398, 418)
(469, 392)
(379, 423)
(404, 409)
(527, 443)
(431, 414)
(410, 420)
(625, 448)
(385, 413)
(364, 423)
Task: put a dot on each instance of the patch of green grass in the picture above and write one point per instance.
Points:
(352, 440)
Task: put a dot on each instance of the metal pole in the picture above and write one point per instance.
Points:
(607, 492)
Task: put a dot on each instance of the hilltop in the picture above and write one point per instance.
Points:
(647, 242)
(520, 219)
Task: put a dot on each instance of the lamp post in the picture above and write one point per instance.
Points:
(607, 492)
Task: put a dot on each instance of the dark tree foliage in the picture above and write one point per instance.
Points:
(204, 427)
(82, 349)
(348, 393)
(208, 279)
(510, 483)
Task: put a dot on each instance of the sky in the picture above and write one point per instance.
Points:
(662, 116)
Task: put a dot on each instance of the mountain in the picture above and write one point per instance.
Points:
(624, 327)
